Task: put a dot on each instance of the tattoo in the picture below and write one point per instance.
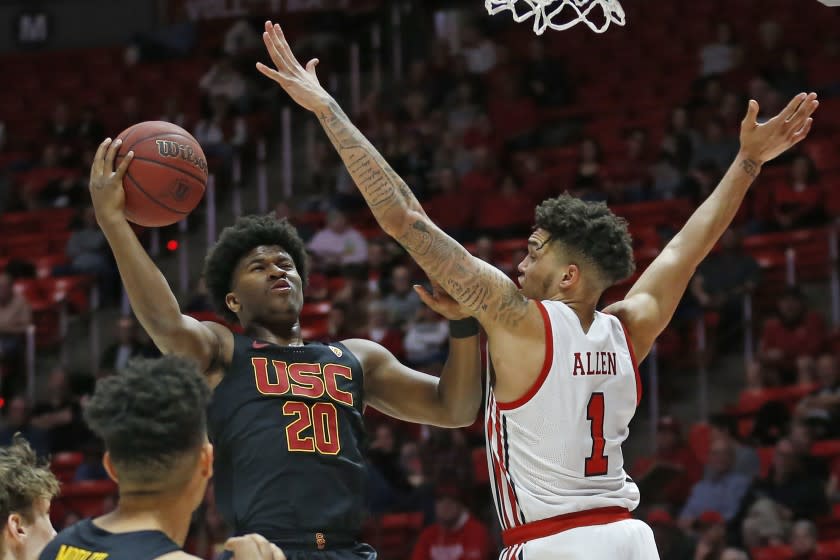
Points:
(479, 287)
(750, 168)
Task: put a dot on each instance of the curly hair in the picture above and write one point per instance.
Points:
(236, 241)
(23, 480)
(592, 230)
(150, 416)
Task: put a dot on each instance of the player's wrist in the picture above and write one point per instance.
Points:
(463, 328)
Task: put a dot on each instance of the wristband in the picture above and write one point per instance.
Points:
(463, 328)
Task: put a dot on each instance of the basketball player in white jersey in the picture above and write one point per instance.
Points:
(565, 382)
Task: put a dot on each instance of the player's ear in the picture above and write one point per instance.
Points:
(569, 275)
(109, 467)
(206, 460)
(15, 529)
(232, 302)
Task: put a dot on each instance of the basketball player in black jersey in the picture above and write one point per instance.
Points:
(152, 419)
(286, 414)
(26, 488)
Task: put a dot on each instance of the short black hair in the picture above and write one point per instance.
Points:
(591, 229)
(236, 241)
(150, 416)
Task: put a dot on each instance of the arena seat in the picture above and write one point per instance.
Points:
(781, 552)
(87, 498)
(45, 264)
(394, 534)
(64, 465)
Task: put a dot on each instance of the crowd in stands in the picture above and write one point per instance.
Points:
(481, 133)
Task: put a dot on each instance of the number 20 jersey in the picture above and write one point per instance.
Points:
(287, 428)
(557, 449)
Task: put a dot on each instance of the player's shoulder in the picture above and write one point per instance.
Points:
(365, 350)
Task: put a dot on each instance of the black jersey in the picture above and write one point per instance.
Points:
(286, 424)
(86, 540)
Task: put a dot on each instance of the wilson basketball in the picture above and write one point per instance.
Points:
(166, 179)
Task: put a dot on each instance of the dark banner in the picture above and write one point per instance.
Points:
(194, 10)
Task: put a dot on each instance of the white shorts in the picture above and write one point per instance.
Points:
(629, 539)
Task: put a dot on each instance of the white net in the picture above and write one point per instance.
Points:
(561, 14)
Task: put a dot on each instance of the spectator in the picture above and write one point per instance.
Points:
(451, 208)
(546, 78)
(802, 438)
(17, 420)
(803, 540)
(172, 111)
(464, 109)
(355, 297)
(130, 112)
(671, 542)
(219, 133)
(789, 77)
(200, 299)
(240, 37)
(766, 54)
(716, 145)
(672, 452)
(61, 131)
(90, 129)
(506, 212)
(484, 249)
(456, 534)
(378, 329)
(91, 467)
(722, 281)
(478, 50)
(60, 416)
(337, 327)
(588, 179)
(447, 457)
(799, 202)
(402, 301)
(784, 496)
(127, 346)
(339, 244)
(722, 55)
(794, 332)
(733, 554)
(88, 253)
(722, 491)
(822, 407)
(680, 138)
(223, 80)
(711, 539)
(665, 177)
(628, 176)
(747, 462)
(425, 339)
(15, 317)
(379, 259)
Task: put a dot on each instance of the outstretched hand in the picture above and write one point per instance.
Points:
(441, 302)
(106, 183)
(763, 142)
(300, 83)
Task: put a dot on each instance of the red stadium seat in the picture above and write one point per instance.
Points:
(74, 290)
(87, 498)
(393, 535)
(64, 465)
(45, 264)
(698, 440)
(828, 448)
(782, 552)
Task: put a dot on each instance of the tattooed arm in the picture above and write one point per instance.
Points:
(486, 292)
(651, 302)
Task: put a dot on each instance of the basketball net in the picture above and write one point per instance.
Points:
(560, 14)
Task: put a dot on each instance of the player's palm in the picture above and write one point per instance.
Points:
(300, 83)
(763, 142)
(106, 187)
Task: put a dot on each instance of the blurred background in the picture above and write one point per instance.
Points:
(736, 442)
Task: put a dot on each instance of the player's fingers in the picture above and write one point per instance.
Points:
(269, 72)
(752, 113)
(273, 53)
(804, 111)
(97, 166)
(792, 106)
(123, 167)
(424, 296)
(274, 41)
(285, 49)
(803, 132)
(112, 154)
(310, 67)
(278, 554)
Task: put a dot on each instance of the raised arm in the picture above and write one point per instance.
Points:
(450, 401)
(486, 292)
(651, 302)
(151, 298)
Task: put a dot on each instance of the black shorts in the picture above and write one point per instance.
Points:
(360, 551)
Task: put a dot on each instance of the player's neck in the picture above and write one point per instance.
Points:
(584, 307)
(279, 334)
(159, 512)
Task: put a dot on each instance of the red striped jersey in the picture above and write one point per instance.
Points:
(557, 449)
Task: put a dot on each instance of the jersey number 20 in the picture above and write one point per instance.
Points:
(596, 463)
(322, 417)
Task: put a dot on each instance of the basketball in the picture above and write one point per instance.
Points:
(167, 177)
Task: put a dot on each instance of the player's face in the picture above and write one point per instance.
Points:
(39, 532)
(535, 269)
(267, 285)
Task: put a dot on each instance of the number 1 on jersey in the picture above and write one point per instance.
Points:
(596, 463)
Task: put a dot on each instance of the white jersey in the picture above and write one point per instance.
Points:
(557, 450)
